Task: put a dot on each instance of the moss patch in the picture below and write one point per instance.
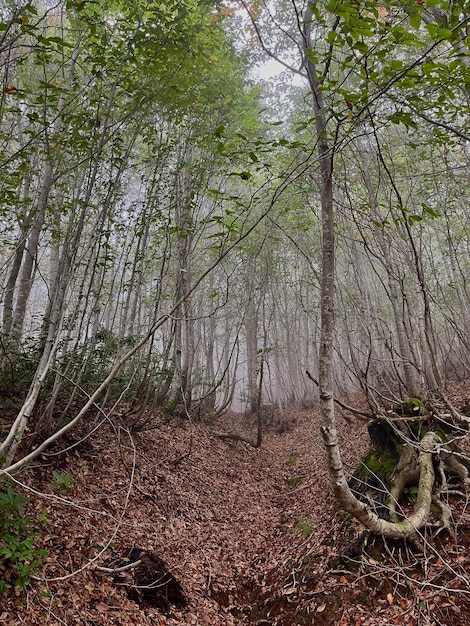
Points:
(380, 463)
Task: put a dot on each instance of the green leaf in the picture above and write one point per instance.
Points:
(432, 29)
(361, 46)
(403, 117)
(60, 42)
(427, 210)
(443, 34)
(415, 20)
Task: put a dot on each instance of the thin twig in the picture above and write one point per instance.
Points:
(360, 414)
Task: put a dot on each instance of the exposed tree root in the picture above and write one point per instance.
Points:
(407, 473)
(428, 466)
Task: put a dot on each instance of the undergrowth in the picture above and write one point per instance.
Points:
(19, 556)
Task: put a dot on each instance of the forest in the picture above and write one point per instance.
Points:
(234, 312)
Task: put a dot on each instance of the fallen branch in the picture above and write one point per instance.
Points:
(118, 570)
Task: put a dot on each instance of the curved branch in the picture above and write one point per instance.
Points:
(398, 529)
(118, 570)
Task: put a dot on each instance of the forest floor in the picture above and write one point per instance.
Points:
(253, 536)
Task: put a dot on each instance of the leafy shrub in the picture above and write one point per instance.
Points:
(18, 372)
(19, 558)
(62, 483)
(91, 362)
(304, 526)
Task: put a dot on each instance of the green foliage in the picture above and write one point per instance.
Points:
(388, 52)
(173, 408)
(62, 483)
(411, 493)
(18, 372)
(304, 526)
(19, 558)
(90, 363)
(410, 407)
(292, 460)
(293, 481)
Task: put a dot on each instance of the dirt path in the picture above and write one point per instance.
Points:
(250, 534)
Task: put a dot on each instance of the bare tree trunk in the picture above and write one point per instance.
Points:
(251, 329)
(409, 368)
(183, 319)
(209, 389)
(30, 257)
(338, 479)
(7, 317)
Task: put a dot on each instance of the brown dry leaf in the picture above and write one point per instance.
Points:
(196, 520)
(382, 13)
(390, 598)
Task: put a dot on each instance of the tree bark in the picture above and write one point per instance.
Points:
(343, 493)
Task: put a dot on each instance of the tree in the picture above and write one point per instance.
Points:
(363, 65)
(117, 82)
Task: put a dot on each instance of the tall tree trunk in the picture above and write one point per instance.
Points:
(338, 478)
(251, 329)
(184, 323)
(30, 257)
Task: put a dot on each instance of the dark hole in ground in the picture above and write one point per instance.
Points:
(150, 583)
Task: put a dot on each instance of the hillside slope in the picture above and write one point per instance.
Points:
(251, 536)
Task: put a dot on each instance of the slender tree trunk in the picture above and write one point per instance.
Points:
(338, 478)
(407, 365)
(184, 323)
(251, 329)
(30, 257)
(7, 317)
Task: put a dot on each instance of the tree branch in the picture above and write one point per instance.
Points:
(360, 414)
